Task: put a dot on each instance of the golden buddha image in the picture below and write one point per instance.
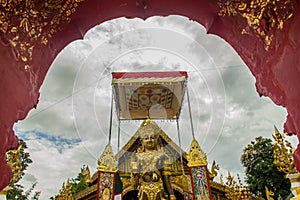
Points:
(150, 166)
(105, 194)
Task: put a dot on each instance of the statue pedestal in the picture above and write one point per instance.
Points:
(295, 185)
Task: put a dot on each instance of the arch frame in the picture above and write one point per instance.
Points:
(269, 48)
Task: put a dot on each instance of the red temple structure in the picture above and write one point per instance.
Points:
(264, 33)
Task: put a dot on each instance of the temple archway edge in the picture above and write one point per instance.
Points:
(268, 49)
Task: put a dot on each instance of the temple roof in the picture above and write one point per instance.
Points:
(168, 143)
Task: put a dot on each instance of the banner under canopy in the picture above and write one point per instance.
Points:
(158, 95)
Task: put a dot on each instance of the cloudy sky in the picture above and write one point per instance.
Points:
(70, 126)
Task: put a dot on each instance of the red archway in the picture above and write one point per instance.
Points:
(265, 35)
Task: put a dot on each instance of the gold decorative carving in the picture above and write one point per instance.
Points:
(65, 192)
(107, 162)
(263, 16)
(27, 23)
(87, 175)
(148, 126)
(269, 194)
(14, 160)
(196, 156)
(236, 190)
(214, 170)
(86, 192)
(151, 189)
(183, 181)
(283, 153)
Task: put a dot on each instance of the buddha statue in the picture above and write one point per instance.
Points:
(150, 165)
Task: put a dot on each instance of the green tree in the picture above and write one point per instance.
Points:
(17, 192)
(80, 182)
(75, 185)
(261, 172)
(19, 160)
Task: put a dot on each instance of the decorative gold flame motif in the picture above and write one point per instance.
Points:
(87, 175)
(65, 192)
(283, 153)
(14, 160)
(263, 16)
(214, 170)
(269, 194)
(236, 190)
(107, 162)
(27, 23)
(196, 156)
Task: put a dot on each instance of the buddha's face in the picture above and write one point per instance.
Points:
(149, 141)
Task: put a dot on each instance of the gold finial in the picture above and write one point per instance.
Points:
(68, 185)
(148, 126)
(283, 153)
(221, 180)
(147, 121)
(196, 156)
(269, 194)
(229, 179)
(236, 190)
(65, 192)
(87, 175)
(107, 162)
(214, 170)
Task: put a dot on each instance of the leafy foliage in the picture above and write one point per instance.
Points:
(74, 185)
(25, 156)
(79, 183)
(261, 171)
(16, 191)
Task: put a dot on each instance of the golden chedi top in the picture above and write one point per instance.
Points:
(196, 156)
(107, 162)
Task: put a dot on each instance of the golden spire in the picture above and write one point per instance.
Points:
(283, 153)
(147, 121)
(87, 175)
(107, 162)
(236, 190)
(196, 156)
(65, 192)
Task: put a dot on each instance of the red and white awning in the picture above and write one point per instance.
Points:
(157, 95)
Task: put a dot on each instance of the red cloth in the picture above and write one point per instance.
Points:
(123, 75)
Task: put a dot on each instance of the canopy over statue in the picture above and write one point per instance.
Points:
(157, 95)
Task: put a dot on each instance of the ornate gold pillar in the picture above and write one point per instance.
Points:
(107, 169)
(197, 164)
(283, 158)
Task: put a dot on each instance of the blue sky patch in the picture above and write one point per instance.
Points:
(60, 143)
